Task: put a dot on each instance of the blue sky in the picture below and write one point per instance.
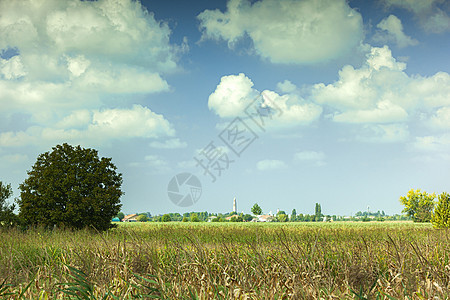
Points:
(359, 91)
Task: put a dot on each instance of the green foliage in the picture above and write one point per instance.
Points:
(256, 209)
(318, 213)
(294, 215)
(247, 217)
(236, 218)
(185, 219)
(194, 218)
(71, 187)
(282, 218)
(120, 215)
(142, 218)
(166, 218)
(7, 216)
(441, 216)
(418, 205)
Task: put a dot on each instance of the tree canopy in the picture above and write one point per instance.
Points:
(441, 215)
(71, 187)
(418, 205)
(256, 209)
(7, 216)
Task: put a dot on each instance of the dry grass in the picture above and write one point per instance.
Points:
(228, 261)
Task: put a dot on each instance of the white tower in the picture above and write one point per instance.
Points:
(234, 205)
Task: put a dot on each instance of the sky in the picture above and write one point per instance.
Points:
(283, 103)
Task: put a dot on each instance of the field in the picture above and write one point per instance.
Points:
(386, 260)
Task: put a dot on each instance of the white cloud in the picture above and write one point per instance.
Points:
(267, 165)
(235, 93)
(94, 127)
(287, 31)
(75, 56)
(432, 17)
(441, 120)
(294, 109)
(392, 31)
(155, 161)
(286, 86)
(317, 158)
(435, 144)
(169, 144)
(381, 90)
(385, 112)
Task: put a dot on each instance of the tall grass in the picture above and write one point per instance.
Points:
(228, 261)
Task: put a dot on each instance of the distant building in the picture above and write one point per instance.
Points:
(234, 205)
(130, 218)
(264, 218)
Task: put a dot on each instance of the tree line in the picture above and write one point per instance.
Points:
(72, 187)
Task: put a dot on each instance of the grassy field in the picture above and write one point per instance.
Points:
(385, 260)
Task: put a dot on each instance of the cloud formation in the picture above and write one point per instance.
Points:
(94, 127)
(61, 60)
(431, 14)
(268, 165)
(392, 31)
(235, 92)
(287, 31)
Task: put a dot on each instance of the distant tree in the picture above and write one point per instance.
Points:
(441, 215)
(142, 218)
(418, 205)
(166, 218)
(256, 209)
(185, 219)
(282, 218)
(194, 218)
(318, 212)
(71, 187)
(293, 215)
(7, 216)
(236, 218)
(248, 218)
(120, 215)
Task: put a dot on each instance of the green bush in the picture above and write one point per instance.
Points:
(441, 215)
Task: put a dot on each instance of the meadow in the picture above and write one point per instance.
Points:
(174, 260)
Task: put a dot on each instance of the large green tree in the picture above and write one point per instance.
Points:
(71, 187)
(418, 205)
(7, 216)
(441, 215)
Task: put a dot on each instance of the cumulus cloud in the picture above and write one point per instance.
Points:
(431, 14)
(94, 127)
(314, 157)
(235, 93)
(392, 31)
(169, 144)
(64, 56)
(381, 90)
(286, 86)
(441, 119)
(268, 165)
(287, 31)
(433, 144)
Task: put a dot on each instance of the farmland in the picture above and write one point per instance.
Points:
(351, 260)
